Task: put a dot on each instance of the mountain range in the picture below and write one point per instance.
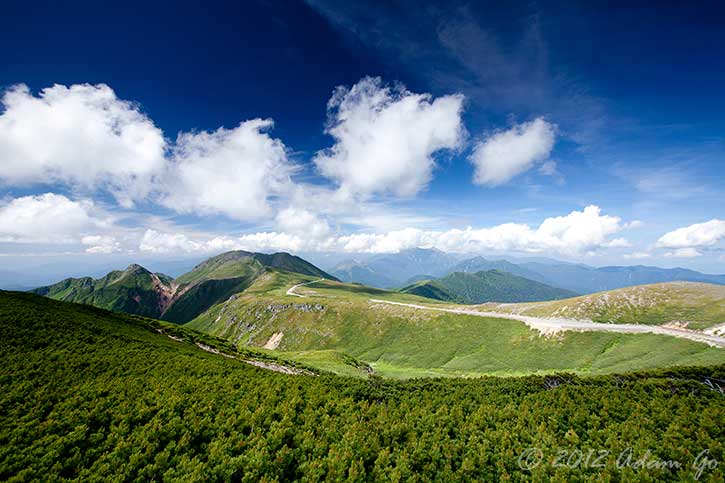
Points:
(283, 303)
(409, 266)
(396, 269)
(136, 290)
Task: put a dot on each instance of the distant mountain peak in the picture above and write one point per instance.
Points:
(136, 268)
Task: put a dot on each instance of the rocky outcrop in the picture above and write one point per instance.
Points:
(276, 308)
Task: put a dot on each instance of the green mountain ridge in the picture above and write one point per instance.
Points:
(486, 286)
(138, 291)
(134, 290)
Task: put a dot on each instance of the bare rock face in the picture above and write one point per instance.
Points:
(276, 308)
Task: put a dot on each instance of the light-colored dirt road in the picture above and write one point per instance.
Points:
(547, 326)
(291, 290)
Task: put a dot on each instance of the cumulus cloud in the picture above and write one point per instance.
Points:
(579, 232)
(385, 137)
(228, 171)
(302, 222)
(101, 244)
(48, 218)
(85, 138)
(506, 154)
(82, 136)
(164, 242)
(576, 233)
(697, 235)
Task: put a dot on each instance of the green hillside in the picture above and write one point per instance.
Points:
(682, 304)
(431, 289)
(133, 291)
(138, 291)
(90, 395)
(406, 342)
(485, 286)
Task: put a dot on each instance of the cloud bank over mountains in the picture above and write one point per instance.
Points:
(50, 217)
(105, 175)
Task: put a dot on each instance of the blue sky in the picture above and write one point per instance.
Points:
(582, 131)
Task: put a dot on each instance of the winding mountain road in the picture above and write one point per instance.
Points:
(553, 325)
(291, 290)
(548, 326)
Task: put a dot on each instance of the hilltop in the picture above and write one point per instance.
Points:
(134, 290)
(485, 286)
(680, 304)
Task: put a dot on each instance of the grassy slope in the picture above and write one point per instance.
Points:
(405, 342)
(700, 304)
(431, 289)
(90, 395)
(486, 286)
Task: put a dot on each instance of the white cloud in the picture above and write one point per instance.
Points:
(48, 218)
(683, 253)
(157, 242)
(577, 233)
(302, 222)
(697, 235)
(618, 243)
(164, 242)
(82, 136)
(506, 154)
(86, 138)
(101, 244)
(385, 137)
(233, 172)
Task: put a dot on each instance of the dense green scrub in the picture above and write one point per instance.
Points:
(95, 396)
